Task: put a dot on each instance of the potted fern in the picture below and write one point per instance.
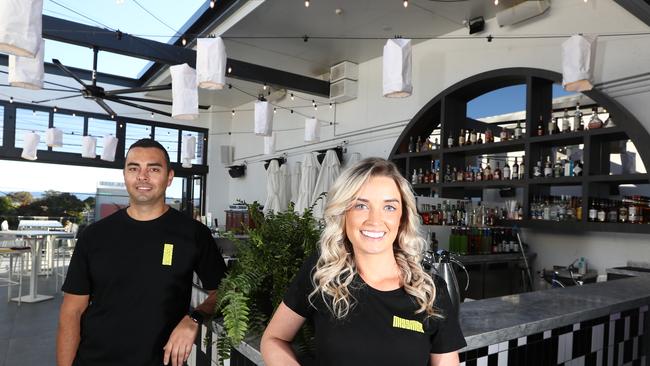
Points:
(276, 247)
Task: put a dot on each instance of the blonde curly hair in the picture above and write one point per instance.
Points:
(335, 269)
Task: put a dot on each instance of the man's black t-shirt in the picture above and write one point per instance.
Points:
(381, 329)
(139, 278)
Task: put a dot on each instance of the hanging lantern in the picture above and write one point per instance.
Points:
(54, 137)
(397, 68)
(27, 72)
(21, 24)
(312, 130)
(269, 144)
(188, 150)
(110, 146)
(89, 147)
(211, 63)
(263, 118)
(30, 145)
(578, 62)
(185, 96)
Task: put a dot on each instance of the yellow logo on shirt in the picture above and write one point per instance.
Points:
(168, 253)
(407, 324)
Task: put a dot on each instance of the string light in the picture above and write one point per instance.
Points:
(55, 109)
(275, 110)
(33, 112)
(113, 117)
(233, 112)
(264, 87)
(306, 3)
(315, 107)
(184, 41)
(11, 99)
(74, 114)
(229, 69)
(212, 4)
(151, 115)
(496, 2)
(406, 3)
(292, 98)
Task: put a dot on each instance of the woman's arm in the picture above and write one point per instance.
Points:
(275, 347)
(445, 359)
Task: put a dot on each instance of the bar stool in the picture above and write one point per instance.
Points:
(63, 253)
(16, 255)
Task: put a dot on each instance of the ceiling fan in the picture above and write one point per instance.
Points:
(100, 95)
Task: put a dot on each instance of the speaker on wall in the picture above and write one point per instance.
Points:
(226, 154)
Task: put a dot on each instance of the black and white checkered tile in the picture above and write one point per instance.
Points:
(613, 340)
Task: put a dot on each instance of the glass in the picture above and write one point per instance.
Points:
(28, 120)
(168, 138)
(73, 129)
(200, 145)
(135, 132)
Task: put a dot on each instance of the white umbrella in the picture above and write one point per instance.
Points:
(328, 173)
(272, 187)
(285, 186)
(308, 176)
(352, 158)
(295, 182)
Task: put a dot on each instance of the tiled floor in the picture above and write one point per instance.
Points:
(28, 331)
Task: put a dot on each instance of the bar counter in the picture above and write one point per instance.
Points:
(590, 324)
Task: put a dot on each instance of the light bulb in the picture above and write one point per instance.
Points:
(74, 114)
(212, 4)
(330, 105)
(496, 2)
(233, 112)
(33, 112)
(306, 3)
(315, 107)
(184, 41)
(291, 96)
(229, 71)
(11, 99)
(151, 115)
(406, 3)
(264, 87)
(274, 110)
(55, 109)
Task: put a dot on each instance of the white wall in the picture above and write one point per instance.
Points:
(438, 64)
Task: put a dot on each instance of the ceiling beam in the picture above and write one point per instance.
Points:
(638, 8)
(124, 44)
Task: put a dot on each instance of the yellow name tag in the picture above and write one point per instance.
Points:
(168, 253)
(407, 324)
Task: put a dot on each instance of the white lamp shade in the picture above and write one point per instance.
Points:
(89, 147)
(397, 68)
(30, 145)
(110, 146)
(21, 24)
(54, 137)
(312, 130)
(263, 118)
(211, 63)
(269, 144)
(185, 95)
(578, 62)
(188, 150)
(27, 72)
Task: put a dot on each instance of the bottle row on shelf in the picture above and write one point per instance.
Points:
(483, 173)
(630, 209)
(422, 145)
(465, 213)
(556, 208)
(556, 125)
(473, 137)
(561, 168)
(476, 240)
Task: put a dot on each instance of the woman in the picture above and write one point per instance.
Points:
(369, 298)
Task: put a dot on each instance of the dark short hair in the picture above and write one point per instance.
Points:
(151, 143)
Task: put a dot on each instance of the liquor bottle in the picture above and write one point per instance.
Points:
(504, 134)
(414, 177)
(420, 176)
(425, 177)
(418, 145)
(460, 175)
(515, 169)
(558, 169)
(548, 168)
(540, 127)
(448, 174)
(622, 212)
(506, 171)
(577, 168)
(612, 212)
(450, 141)
(427, 145)
(480, 173)
(497, 173)
(565, 122)
(479, 140)
(411, 146)
(487, 171)
(577, 119)
(537, 169)
(601, 215)
(595, 122)
(567, 167)
(433, 242)
(436, 145)
(461, 138)
(552, 125)
(489, 137)
(469, 174)
(522, 169)
(437, 175)
(609, 122)
(473, 138)
(518, 131)
(593, 212)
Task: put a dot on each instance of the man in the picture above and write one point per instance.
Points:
(128, 287)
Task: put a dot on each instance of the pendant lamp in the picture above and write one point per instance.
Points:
(21, 24)
(185, 96)
(397, 68)
(30, 145)
(110, 146)
(89, 147)
(312, 130)
(269, 144)
(578, 62)
(188, 150)
(263, 118)
(211, 63)
(54, 137)
(27, 72)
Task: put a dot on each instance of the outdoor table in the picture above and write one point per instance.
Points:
(35, 238)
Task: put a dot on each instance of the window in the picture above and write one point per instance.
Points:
(100, 128)
(73, 130)
(31, 121)
(200, 145)
(135, 132)
(168, 138)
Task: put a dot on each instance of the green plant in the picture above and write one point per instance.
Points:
(266, 263)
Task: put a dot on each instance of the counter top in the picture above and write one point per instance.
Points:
(494, 258)
(498, 319)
